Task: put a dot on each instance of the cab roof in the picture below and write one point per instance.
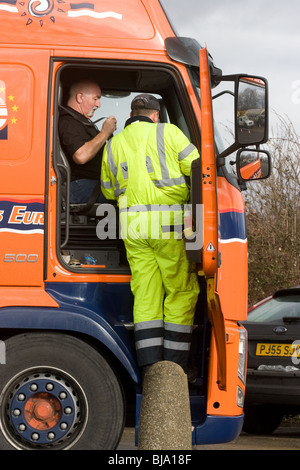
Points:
(65, 23)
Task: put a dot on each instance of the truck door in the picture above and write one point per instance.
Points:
(205, 217)
(210, 217)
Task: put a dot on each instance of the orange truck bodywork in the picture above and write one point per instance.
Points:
(35, 46)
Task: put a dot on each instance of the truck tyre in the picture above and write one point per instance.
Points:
(58, 392)
(261, 419)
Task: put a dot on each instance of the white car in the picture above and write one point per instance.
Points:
(245, 121)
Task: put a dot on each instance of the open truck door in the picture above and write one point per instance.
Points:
(205, 204)
(206, 217)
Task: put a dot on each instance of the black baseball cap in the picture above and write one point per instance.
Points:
(149, 101)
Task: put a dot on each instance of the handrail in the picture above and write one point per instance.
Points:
(67, 229)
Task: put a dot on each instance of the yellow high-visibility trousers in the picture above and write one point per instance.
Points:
(164, 285)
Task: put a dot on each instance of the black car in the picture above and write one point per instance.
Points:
(273, 370)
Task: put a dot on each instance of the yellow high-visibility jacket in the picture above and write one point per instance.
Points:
(153, 160)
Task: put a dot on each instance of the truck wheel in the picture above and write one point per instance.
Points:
(261, 419)
(57, 392)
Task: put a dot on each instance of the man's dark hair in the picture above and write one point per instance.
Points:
(140, 110)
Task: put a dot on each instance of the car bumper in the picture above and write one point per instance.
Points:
(273, 386)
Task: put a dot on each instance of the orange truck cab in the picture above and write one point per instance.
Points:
(68, 369)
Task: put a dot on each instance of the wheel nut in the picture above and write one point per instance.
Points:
(63, 426)
(35, 436)
(21, 397)
(68, 410)
(51, 435)
(22, 427)
(33, 387)
(49, 387)
(62, 395)
(16, 412)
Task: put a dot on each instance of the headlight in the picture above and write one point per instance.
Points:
(242, 355)
(240, 397)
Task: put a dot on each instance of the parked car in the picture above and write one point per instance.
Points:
(273, 370)
(245, 121)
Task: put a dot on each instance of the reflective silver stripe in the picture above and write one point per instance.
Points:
(149, 164)
(145, 325)
(113, 169)
(153, 208)
(176, 345)
(169, 182)
(106, 184)
(124, 168)
(165, 176)
(148, 343)
(178, 328)
(161, 151)
(119, 191)
(185, 152)
(110, 159)
(172, 228)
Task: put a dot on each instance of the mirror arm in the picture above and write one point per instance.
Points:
(223, 93)
(229, 150)
(227, 78)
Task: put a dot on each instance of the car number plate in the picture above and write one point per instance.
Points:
(276, 349)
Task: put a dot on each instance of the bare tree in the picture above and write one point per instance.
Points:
(273, 217)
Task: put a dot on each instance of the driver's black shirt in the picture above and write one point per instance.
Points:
(74, 131)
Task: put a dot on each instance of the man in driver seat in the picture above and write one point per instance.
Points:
(81, 140)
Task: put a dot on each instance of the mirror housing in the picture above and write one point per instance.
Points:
(251, 111)
(253, 165)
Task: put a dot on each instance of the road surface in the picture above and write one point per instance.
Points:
(286, 437)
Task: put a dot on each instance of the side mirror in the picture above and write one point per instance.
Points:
(253, 164)
(251, 110)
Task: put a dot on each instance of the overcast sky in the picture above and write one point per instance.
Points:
(259, 37)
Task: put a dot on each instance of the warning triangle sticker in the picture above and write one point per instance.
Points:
(210, 247)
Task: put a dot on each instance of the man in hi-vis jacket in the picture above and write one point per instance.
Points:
(145, 168)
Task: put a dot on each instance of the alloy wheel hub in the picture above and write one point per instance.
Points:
(42, 410)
